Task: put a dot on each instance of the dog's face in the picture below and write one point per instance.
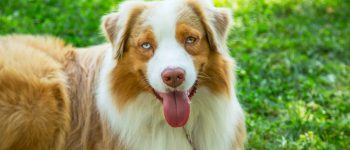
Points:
(168, 48)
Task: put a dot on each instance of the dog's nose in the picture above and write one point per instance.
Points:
(173, 77)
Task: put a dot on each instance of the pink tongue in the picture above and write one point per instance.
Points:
(176, 108)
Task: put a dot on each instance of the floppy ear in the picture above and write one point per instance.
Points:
(116, 32)
(109, 26)
(116, 26)
(216, 22)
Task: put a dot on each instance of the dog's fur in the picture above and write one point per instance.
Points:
(54, 96)
(34, 103)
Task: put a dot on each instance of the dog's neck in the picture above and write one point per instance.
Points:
(88, 130)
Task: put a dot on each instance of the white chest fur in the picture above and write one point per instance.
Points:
(141, 124)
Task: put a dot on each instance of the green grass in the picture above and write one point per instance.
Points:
(293, 58)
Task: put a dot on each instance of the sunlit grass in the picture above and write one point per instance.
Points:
(293, 56)
(224, 3)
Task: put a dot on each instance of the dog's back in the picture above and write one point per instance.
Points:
(34, 106)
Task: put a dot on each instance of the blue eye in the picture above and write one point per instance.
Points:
(190, 40)
(146, 45)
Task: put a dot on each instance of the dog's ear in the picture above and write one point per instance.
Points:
(109, 26)
(114, 33)
(216, 22)
(117, 25)
(217, 25)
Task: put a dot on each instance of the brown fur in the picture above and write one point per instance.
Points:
(110, 28)
(129, 75)
(109, 25)
(217, 27)
(38, 117)
(88, 130)
(212, 67)
(216, 72)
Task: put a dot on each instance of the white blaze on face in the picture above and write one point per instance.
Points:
(169, 53)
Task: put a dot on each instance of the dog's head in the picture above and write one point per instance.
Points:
(168, 48)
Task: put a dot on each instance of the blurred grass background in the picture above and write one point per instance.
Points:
(293, 61)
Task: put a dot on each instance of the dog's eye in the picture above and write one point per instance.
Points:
(146, 45)
(190, 40)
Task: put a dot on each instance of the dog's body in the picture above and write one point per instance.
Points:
(117, 96)
(34, 103)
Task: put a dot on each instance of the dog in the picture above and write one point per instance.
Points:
(165, 80)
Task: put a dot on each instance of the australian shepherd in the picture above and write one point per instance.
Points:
(165, 81)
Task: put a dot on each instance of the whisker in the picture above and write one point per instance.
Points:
(203, 75)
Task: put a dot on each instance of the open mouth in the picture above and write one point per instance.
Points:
(176, 105)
